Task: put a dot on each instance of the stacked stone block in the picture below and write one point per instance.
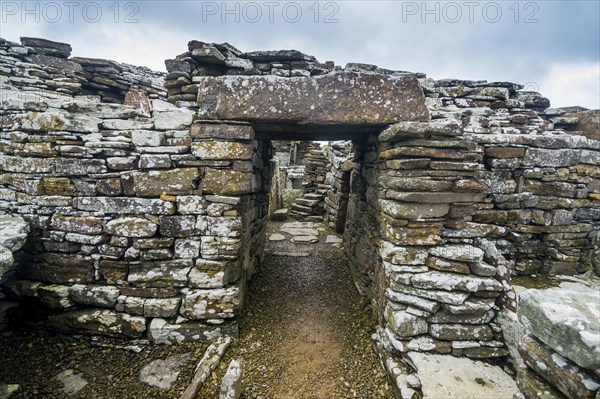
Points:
(542, 182)
(144, 223)
(311, 207)
(440, 290)
(212, 59)
(338, 180)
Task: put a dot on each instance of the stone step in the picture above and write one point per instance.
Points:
(302, 208)
(308, 202)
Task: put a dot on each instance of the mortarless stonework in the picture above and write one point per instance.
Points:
(147, 203)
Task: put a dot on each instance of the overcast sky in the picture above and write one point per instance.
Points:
(549, 46)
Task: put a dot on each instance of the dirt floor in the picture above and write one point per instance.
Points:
(305, 333)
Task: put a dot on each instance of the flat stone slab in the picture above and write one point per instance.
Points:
(276, 237)
(334, 99)
(305, 239)
(300, 228)
(280, 214)
(72, 382)
(289, 253)
(446, 376)
(565, 318)
(163, 373)
(331, 239)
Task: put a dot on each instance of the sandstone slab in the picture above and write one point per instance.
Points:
(93, 321)
(162, 331)
(163, 373)
(566, 319)
(323, 100)
(445, 376)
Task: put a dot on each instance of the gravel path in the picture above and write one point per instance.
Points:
(306, 331)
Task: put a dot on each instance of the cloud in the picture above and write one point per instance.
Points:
(482, 40)
(573, 84)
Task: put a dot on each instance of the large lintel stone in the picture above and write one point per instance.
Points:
(333, 99)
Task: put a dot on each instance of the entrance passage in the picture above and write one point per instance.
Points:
(306, 332)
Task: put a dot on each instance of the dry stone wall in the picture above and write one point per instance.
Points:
(145, 222)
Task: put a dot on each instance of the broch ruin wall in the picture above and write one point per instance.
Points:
(147, 194)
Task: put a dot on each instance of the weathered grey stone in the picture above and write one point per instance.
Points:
(317, 100)
(405, 130)
(192, 204)
(72, 382)
(136, 206)
(553, 158)
(161, 307)
(446, 265)
(93, 321)
(176, 119)
(217, 150)
(187, 248)
(162, 273)
(163, 373)
(439, 197)
(223, 226)
(409, 210)
(402, 255)
(222, 131)
(411, 300)
(98, 295)
(220, 248)
(213, 274)
(155, 161)
(452, 282)
(131, 227)
(570, 379)
(164, 332)
(566, 319)
(13, 233)
(453, 298)
(463, 253)
(276, 237)
(470, 306)
(534, 387)
(231, 385)
(178, 226)
(445, 376)
(405, 324)
(55, 296)
(305, 239)
(480, 268)
(147, 138)
(229, 182)
(173, 181)
(461, 332)
(211, 304)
